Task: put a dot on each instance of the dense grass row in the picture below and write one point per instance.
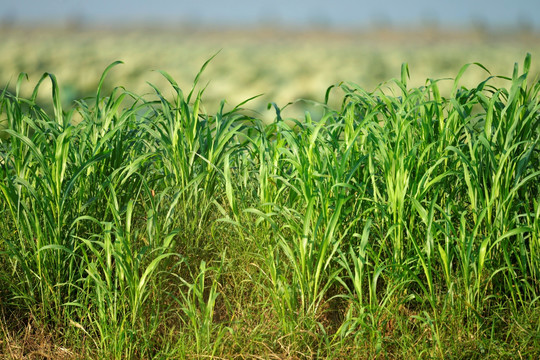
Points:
(404, 224)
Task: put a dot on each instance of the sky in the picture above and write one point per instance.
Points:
(291, 13)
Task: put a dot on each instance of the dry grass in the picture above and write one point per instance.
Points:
(29, 341)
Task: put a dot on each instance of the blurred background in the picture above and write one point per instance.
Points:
(283, 49)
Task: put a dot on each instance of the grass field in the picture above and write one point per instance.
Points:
(402, 221)
(282, 65)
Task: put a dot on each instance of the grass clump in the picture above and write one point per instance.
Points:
(403, 224)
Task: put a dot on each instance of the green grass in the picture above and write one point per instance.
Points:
(404, 224)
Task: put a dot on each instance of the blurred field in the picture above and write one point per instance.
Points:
(284, 66)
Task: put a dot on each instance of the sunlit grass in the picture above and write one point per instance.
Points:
(401, 223)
